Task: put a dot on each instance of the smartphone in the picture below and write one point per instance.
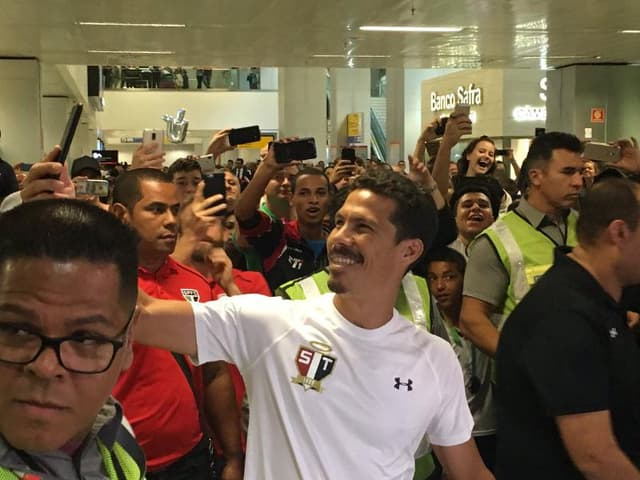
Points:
(501, 152)
(152, 135)
(240, 136)
(442, 124)
(98, 188)
(215, 184)
(207, 163)
(601, 152)
(461, 109)
(69, 132)
(348, 154)
(302, 149)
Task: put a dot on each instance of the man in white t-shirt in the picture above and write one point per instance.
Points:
(340, 386)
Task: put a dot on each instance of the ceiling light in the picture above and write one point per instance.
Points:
(556, 57)
(132, 52)
(629, 31)
(121, 24)
(382, 28)
(353, 56)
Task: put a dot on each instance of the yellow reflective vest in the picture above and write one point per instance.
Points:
(525, 252)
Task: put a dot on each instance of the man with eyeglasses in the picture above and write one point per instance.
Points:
(68, 287)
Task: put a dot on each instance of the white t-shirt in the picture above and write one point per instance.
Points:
(328, 399)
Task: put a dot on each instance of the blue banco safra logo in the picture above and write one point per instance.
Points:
(313, 365)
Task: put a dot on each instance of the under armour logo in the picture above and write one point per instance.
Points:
(613, 333)
(407, 384)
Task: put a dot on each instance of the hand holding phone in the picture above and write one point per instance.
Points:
(153, 140)
(215, 184)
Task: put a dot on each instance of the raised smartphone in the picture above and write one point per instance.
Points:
(98, 188)
(240, 136)
(69, 132)
(302, 149)
(601, 152)
(150, 135)
(215, 184)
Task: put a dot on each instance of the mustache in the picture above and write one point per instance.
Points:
(347, 252)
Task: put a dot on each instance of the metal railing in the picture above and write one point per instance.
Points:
(378, 137)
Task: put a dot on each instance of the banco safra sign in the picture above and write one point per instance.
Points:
(471, 95)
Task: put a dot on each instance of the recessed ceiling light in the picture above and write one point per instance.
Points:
(125, 24)
(345, 56)
(557, 57)
(391, 28)
(133, 52)
(629, 31)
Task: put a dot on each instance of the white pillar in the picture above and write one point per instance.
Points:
(395, 114)
(350, 93)
(302, 105)
(21, 134)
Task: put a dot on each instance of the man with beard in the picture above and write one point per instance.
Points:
(161, 392)
(344, 369)
(293, 249)
(507, 259)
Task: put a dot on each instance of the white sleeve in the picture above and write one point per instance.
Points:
(239, 329)
(11, 201)
(453, 423)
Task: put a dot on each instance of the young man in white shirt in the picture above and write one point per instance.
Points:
(341, 386)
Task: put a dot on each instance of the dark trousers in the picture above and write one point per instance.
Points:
(195, 465)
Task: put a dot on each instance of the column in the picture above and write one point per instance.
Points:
(350, 92)
(302, 105)
(20, 130)
(574, 91)
(395, 115)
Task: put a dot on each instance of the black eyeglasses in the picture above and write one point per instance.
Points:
(76, 353)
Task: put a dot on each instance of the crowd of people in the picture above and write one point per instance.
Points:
(428, 320)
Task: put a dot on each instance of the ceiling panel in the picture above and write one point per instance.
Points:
(226, 33)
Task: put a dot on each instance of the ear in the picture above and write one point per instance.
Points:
(618, 233)
(536, 176)
(412, 249)
(121, 212)
(127, 348)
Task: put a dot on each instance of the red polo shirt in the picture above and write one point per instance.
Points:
(157, 399)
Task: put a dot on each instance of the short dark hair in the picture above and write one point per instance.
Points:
(183, 165)
(127, 187)
(67, 230)
(308, 171)
(463, 162)
(609, 200)
(415, 215)
(449, 255)
(541, 152)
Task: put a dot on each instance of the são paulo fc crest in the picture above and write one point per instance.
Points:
(313, 366)
(190, 294)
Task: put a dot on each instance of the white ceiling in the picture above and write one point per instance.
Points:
(224, 33)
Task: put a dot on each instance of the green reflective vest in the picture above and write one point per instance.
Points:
(413, 302)
(131, 464)
(526, 254)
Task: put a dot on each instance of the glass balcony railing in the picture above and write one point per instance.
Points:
(117, 77)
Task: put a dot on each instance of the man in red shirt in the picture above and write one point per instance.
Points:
(160, 392)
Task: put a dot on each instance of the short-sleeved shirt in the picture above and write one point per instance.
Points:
(156, 396)
(330, 399)
(485, 277)
(565, 350)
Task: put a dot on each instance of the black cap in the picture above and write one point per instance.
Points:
(84, 163)
(483, 184)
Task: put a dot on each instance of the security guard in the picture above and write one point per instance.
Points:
(508, 257)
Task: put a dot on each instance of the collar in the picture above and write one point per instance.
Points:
(579, 278)
(535, 217)
(168, 268)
